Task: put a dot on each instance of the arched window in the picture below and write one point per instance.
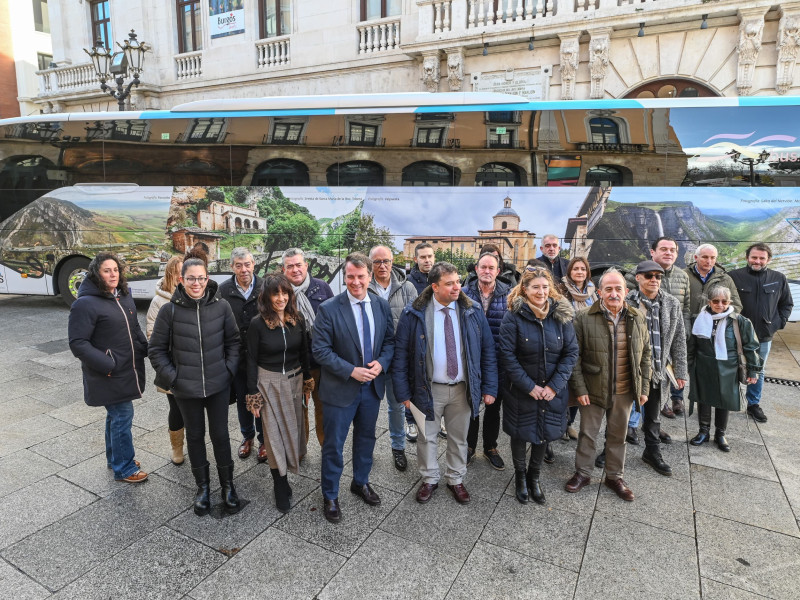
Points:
(247, 223)
(499, 175)
(671, 88)
(608, 175)
(355, 173)
(255, 224)
(238, 223)
(504, 225)
(281, 172)
(604, 131)
(429, 173)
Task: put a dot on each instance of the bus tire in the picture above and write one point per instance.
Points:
(70, 277)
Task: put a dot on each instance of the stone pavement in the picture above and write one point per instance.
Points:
(724, 526)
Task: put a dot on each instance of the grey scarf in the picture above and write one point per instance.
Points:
(654, 326)
(303, 303)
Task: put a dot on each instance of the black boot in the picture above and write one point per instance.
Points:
(229, 497)
(521, 488)
(549, 455)
(722, 443)
(702, 437)
(202, 501)
(535, 486)
(281, 485)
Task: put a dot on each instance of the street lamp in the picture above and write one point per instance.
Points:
(117, 65)
(736, 156)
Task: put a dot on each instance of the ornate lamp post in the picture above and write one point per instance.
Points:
(736, 156)
(118, 65)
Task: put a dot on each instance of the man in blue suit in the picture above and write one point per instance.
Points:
(353, 342)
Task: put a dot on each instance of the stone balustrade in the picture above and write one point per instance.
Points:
(272, 52)
(379, 35)
(67, 79)
(188, 65)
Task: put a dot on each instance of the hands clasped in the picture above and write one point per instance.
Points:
(368, 373)
(542, 393)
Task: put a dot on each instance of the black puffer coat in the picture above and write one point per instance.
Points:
(204, 343)
(537, 352)
(243, 311)
(104, 334)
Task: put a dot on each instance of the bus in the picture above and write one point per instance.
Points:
(334, 174)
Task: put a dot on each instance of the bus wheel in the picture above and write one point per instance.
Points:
(70, 278)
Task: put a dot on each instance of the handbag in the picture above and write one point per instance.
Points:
(741, 368)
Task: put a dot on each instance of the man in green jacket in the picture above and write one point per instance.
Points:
(613, 373)
(704, 273)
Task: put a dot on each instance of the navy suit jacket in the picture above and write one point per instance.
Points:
(337, 349)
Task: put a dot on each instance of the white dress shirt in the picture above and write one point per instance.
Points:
(439, 347)
(360, 323)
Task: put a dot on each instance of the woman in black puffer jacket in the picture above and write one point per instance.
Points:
(195, 351)
(104, 334)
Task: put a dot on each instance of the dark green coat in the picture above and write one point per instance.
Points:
(714, 382)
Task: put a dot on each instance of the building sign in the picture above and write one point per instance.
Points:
(530, 83)
(226, 17)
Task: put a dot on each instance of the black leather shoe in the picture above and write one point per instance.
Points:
(332, 511)
(664, 437)
(600, 461)
(632, 437)
(722, 443)
(655, 460)
(366, 493)
(754, 410)
(549, 455)
(470, 456)
(400, 461)
(701, 438)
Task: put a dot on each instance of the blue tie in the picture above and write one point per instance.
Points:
(367, 339)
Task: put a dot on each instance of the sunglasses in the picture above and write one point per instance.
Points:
(657, 276)
(723, 302)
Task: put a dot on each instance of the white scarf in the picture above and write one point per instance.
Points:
(303, 303)
(703, 326)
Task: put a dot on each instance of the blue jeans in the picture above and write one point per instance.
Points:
(248, 424)
(754, 389)
(397, 419)
(119, 439)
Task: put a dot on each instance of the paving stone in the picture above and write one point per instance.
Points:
(29, 384)
(78, 413)
(17, 585)
(72, 447)
(22, 469)
(713, 590)
(624, 559)
(93, 474)
(153, 414)
(64, 551)
(386, 475)
(19, 354)
(13, 411)
(38, 505)
(744, 458)
(274, 565)
(58, 360)
(541, 532)
(29, 432)
(442, 523)
(493, 572)
(740, 498)
(182, 474)
(164, 564)
(306, 520)
(748, 558)
(373, 572)
(676, 456)
(61, 375)
(59, 394)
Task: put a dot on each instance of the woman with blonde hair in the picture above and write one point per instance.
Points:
(538, 350)
(164, 290)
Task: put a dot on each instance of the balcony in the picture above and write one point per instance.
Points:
(272, 52)
(270, 140)
(614, 148)
(189, 65)
(380, 35)
(72, 78)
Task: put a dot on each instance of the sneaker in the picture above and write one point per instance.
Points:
(137, 477)
(494, 458)
(470, 456)
(754, 410)
(411, 432)
(443, 431)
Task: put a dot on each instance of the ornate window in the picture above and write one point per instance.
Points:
(499, 175)
(604, 131)
(202, 131)
(355, 173)
(672, 88)
(281, 172)
(608, 176)
(101, 22)
(275, 18)
(379, 9)
(286, 132)
(190, 32)
(502, 129)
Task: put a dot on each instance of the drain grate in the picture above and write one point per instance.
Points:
(779, 381)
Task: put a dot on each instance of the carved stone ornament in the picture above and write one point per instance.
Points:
(788, 44)
(430, 72)
(569, 67)
(455, 69)
(598, 63)
(750, 31)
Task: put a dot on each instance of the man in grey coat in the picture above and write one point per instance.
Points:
(668, 349)
(391, 285)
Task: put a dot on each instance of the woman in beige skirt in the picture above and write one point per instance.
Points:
(279, 380)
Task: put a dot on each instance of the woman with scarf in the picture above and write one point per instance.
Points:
(579, 289)
(538, 351)
(279, 380)
(713, 363)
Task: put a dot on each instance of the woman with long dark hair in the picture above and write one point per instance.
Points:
(104, 334)
(194, 350)
(279, 379)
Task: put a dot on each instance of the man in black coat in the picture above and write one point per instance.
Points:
(550, 257)
(241, 292)
(767, 302)
(423, 261)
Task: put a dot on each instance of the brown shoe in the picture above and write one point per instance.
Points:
(262, 453)
(425, 492)
(619, 488)
(577, 482)
(245, 448)
(677, 406)
(460, 493)
(667, 411)
(137, 477)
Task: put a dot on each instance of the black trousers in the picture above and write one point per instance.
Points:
(491, 426)
(194, 411)
(651, 425)
(519, 449)
(720, 418)
(174, 417)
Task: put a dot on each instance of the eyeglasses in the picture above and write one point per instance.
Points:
(658, 276)
(193, 280)
(718, 301)
(385, 261)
